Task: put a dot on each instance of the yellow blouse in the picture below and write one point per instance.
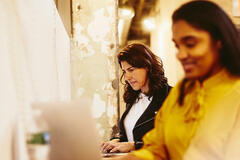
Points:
(205, 127)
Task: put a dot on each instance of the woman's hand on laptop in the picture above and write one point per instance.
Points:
(109, 145)
(123, 147)
(115, 146)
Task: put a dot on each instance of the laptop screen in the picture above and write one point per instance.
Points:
(72, 130)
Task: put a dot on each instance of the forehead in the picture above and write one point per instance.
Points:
(125, 65)
(181, 30)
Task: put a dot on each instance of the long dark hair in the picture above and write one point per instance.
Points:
(208, 16)
(140, 56)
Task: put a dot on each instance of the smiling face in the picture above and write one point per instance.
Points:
(136, 77)
(197, 52)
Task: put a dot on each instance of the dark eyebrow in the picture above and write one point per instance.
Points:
(128, 68)
(187, 38)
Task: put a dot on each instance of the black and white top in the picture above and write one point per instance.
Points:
(135, 113)
(143, 119)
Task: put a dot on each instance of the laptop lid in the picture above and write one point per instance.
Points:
(72, 130)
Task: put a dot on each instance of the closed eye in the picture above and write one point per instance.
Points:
(190, 45)
(190, 41)
(130, 69)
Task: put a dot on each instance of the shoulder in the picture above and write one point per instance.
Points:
(164, 90)
(237, 87)
(233, 92)
(173, 95)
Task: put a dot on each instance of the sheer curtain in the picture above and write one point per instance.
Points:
(34, 66)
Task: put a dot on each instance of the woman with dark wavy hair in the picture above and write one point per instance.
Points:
(200, 119)
(146, 88)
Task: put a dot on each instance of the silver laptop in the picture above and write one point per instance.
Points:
(72, 130)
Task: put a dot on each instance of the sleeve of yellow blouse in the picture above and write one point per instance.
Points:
(154, 146)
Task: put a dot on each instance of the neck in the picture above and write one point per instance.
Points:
(210, 74)
(145, 88)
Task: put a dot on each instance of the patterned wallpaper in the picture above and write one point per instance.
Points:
(93, 51)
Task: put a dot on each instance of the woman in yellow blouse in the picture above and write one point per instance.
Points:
(200, 119)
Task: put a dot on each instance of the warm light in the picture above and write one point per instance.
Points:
(120, 29)
(126, 12)
(124, 22)
(236, 7)
(149, 24)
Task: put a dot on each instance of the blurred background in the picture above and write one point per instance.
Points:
(58, 50)
(120, 23)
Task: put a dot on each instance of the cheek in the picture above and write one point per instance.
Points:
(144, 78)
(211, 60)
(199, 52)
(139, 77)
(204, 55)
(207, 63)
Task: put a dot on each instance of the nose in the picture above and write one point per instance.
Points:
(127, 76)
(182, 54)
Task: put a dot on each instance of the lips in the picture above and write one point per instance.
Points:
(132, 83)
(188, 66)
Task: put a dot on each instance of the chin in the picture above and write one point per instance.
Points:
(192, 76)
(135, 89)
(195, 76)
